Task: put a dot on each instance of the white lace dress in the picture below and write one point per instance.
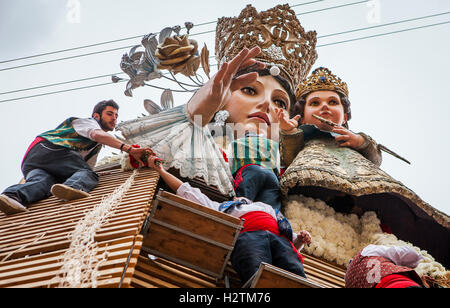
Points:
(190, 148)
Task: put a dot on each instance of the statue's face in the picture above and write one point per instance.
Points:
(252, 108)
(326, 104)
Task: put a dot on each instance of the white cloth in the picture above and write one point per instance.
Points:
(400, 255)
(85, 127)
(194, 194)
(182, 145)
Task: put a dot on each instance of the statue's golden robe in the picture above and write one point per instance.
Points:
(322, 169)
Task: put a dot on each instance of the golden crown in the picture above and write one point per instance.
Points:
(279, 34)
(322, 79)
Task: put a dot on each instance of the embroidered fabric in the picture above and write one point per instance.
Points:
(182, 145)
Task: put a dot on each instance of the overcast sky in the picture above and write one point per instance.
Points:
(397, 82)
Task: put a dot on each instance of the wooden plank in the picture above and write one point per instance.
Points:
(170, 273)
(137, 283)
(325, 263)
(58, 242)
(35, 261)
(34, 217)
(112, 246)
(322, 282)
(269, 276)
(177, 268)
(45, 275)
(107, 278)
(324, 275)
(48, 276)
(195, 223)
(58, 222)
(154, 281)
(179, 246)
(101, 190)
(18, 274)
(43, 264)
(205, 209)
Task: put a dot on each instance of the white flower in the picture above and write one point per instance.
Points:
(339, 237)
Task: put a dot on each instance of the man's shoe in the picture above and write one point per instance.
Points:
(10, 206)
(67, 193)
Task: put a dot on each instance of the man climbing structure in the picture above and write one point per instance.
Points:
(59, 162)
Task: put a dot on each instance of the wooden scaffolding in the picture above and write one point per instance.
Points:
(33, 244)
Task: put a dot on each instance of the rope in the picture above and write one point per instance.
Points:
(81, 261)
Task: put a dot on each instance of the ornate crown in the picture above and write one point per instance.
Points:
(322, 79)
(283, 41)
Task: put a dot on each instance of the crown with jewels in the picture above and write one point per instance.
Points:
(277, 31)
(322, 79)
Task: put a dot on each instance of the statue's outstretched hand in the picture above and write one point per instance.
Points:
(214, 94)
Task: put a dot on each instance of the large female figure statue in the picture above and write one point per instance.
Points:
(263, 58)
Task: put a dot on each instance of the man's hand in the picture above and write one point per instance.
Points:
(348, 138)
(154, 163)
(173, 182)
(138, 153)
(303, 238)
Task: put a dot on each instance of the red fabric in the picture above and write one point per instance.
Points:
(238, 178)
(257, 221)
(224, 155)
(296, 251)
(367, 272)
(396, 281)
(36, 141)
(262, 221)
(133, 162)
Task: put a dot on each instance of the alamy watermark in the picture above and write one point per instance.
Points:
(233, 131)
(374, 13)
(374, 275)
(73, 15)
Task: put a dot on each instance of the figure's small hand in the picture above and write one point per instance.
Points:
(287, 125)
(348, 138)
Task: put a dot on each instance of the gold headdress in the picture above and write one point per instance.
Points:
(278, 32)
(322, 79)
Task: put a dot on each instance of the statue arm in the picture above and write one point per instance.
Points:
(370, 150)
(290, 145)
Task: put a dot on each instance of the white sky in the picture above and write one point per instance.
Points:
(397, 82)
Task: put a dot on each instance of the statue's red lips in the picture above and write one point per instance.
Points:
(261, 116)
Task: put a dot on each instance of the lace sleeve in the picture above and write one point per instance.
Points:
(182, 145)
